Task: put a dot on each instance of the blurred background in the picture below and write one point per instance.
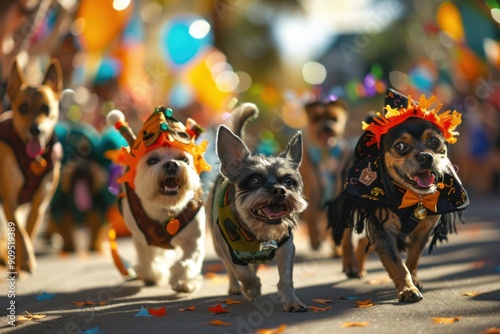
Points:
(203, 57)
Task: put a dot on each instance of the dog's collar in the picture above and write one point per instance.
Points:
(160, 234)
(243, 245)
(34, 170)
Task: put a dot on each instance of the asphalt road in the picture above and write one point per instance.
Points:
(461, 285)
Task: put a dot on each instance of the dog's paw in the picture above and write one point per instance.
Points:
(185, 286)
(235, 290)
(252, 291)
(410, 294)
(295, 306)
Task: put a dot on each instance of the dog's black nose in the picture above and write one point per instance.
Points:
(424, 158)
(34, 130)
(278, 191)
(171, 166)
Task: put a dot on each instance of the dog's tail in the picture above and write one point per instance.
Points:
(241, 116)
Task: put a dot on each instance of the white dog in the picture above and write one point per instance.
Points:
(163, 206)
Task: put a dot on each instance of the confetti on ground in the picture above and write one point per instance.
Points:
(88, 303)
(322, 301)
(355, 324)
(351, 298)
(491, 330)
(214, 268)
(45, 296)
(278, 330)
(471, 294)
(319, 309)
(93, 330)
(364, 303)
(230, 302)
(189, 308)
(217, 309)
(143, 313)
(445, 321)
(218, 322)
(158, 312)
(30, 317)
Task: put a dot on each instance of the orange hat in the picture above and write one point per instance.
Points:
(162, 129)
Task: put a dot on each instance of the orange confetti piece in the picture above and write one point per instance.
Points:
(231, 302)
(322, 301)
(319, 309)
(88, 303)
(471, 294)
(445, 321)
(355, 324)
(190, 308)
(214, 268)
(158, 312)
(491, 330)
(218, 322)
(217, 309)
(30, 317)
(364, 303)
(278, 330)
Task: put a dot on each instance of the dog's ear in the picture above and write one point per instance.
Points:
(53, 77)
(293, 150)
(16, 80)
(231, 151)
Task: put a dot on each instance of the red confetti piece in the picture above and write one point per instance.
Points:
(158, 312)
(217, 309)
(190, 308)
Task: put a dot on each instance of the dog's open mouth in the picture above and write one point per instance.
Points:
(169, 186)
(35, 147)
(424, 179)
(271, 214)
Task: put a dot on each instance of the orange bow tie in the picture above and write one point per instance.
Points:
(428, 201)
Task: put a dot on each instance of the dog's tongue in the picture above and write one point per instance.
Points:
(424, 179)
(83, 198)
(274, 212)
(35, 147)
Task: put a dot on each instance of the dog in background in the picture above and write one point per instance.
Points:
(325, 150)
(83, 197)
(29, 160)
(254, 207)
(163, 203)
(402, 188)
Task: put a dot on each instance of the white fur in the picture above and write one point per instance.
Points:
(181, 266)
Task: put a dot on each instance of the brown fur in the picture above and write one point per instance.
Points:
(325, 129)
(26, 218)
(401, 166)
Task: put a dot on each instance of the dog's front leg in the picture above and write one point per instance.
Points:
(419, 238)
(184, 273)
(250, 282)
(386, 247)
(285, 256)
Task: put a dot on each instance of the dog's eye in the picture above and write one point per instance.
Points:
(45, 109)
(152, 161)
(400, 147)
(23, 108)
(288, 181)
(183, 159)
(255, 181)
(434, 142)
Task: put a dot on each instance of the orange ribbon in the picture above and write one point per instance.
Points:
(428, 201)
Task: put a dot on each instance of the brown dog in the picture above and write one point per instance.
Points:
(401, 189)
(324, 151)
(29, 162)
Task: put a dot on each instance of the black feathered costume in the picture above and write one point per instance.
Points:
(369, 191)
